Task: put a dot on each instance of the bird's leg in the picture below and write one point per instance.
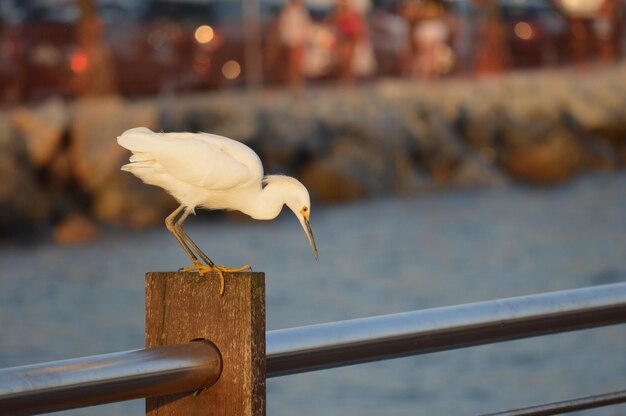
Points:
(169, 223)
(178, 226)
(199, 267)
(180, 230)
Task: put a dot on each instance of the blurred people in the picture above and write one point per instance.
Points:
(431, 36)
(489, 46)
(581, 34)
(93, 65)
(350, 29)
(294, 28)
(463, 38)
(607, 30)
(390, 40)
(9, 71)
(410, 11)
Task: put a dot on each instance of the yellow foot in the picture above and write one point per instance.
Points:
(203, 269)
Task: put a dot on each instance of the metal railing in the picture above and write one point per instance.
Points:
(355, 341)
(166, 370)
(108, 378)
(565, 406)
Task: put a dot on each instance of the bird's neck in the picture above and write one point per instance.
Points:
(265, 204)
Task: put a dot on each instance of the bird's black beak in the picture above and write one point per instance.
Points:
(306, 225)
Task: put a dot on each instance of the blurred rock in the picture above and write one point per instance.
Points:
(128, 202)
(42, 129)
(358, 165)
(554, 159)
(23, 204)
(231, 114)
(445, 150)
(75, 229)
(60, 170)
(598, 115)
(600, 153)
(476, 172)
(288, 134)
(388, 137)
(96, 124)
(116, 197)
(584, 108)
(330, 180)
(481, 125)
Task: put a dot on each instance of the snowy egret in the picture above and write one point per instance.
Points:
(202, 170)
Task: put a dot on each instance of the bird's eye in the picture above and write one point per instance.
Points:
(305, 209)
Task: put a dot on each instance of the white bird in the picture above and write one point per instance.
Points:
(202, 170)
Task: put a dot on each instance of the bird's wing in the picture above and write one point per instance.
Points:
(201, 159)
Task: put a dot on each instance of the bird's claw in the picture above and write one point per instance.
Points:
(234, 269)
(203, 269)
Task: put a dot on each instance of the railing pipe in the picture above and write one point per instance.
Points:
(108, 378)
(193, 366)
(567, 406)
(315, 347)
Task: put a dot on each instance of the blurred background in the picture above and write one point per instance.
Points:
(145, 47)
(455, 151)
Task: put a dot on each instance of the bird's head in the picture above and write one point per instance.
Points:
(297, 199)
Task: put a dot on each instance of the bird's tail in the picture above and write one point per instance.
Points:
(139, 160)
(137, 140)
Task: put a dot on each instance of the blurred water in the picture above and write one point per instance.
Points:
(378, 256)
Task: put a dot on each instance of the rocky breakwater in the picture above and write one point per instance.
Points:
(60, 161)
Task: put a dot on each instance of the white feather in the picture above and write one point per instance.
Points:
(214, 172)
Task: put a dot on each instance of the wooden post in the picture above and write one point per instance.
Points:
(181, 307)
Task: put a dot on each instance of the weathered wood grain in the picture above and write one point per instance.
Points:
(184, 306)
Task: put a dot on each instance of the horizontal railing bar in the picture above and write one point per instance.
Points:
(172, 369)
(106, 378)
(335, 344)
(567, 406)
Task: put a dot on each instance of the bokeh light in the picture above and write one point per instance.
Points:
(204, 34)
(79, 62)
(231, 69)
(523, 30)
